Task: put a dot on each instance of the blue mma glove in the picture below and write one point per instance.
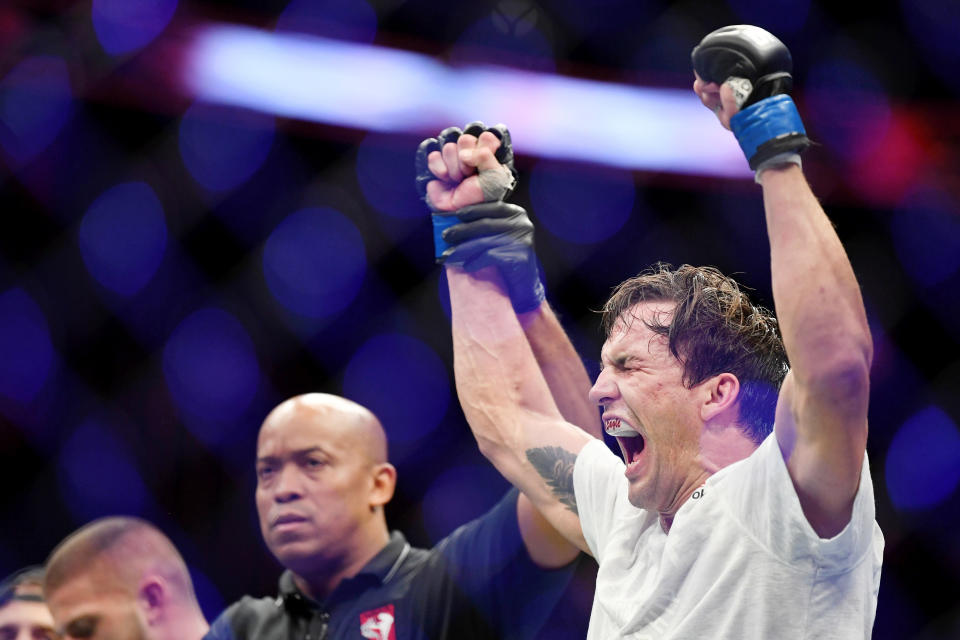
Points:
(497, 234)
(757, 66)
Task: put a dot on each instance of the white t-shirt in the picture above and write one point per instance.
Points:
(740, 562)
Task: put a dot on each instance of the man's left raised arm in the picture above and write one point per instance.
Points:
(821, 420)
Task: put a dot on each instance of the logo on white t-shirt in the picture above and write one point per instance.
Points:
(377, 624)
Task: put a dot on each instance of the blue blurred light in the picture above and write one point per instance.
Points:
(339, 19)
(781, 17)
(923, 461)
(935, 25)
(223, 147)
(123, 26)
(314, 262)
(600, 20)
(26, 353)
(385, 173)
(346, 84)
(500, 38)
(581, 205)
(847, 107)
(35, 103)
(402, 381)
(926, 234)
(97, 475)
(458, 495)
(211, 369)
(123, 237)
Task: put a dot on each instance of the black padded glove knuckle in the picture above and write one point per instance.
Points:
(423, 173)
(745, 51)
(475, 128)
(450, 134)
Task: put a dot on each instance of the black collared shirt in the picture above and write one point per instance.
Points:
(478, 582)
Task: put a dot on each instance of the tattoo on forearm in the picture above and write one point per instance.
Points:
(555, 465)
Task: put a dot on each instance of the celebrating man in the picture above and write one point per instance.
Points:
(744, 504)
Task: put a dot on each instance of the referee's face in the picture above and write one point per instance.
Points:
(315, 487)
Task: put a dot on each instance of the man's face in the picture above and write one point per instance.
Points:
(25, 620)
(641, 388)
(313, 486)
(95, 609)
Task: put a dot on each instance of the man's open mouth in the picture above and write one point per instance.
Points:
(632, 447)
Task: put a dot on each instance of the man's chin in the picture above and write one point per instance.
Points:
(296, 555)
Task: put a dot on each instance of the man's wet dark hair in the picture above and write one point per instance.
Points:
(714, 328)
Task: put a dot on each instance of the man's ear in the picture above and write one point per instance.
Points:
(720, 399)
(152, 598)
(384, 482)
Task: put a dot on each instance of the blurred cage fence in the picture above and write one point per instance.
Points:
(171, 267)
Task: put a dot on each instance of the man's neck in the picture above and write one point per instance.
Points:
(719, 447)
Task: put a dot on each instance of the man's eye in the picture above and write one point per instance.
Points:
(264, 472)
(313, 463)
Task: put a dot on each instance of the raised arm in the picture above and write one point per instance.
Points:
(507, 401)
(562, 368)
(500, 310)
(821, 420)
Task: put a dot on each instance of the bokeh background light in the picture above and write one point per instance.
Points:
(35, 102)
(314, 262)
(98, 474)
(342, 19)
(385, 174)
(459, 495)
(26, 352)
(581, 205)
(926, 229)
(123, 236)
(223, 147)
(403, 381)
(123, 26)
(211, 370)
(923, 463)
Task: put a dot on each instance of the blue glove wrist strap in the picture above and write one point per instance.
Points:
(769, 127)
(441, 221)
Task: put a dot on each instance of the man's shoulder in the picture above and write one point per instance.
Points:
(248, 617)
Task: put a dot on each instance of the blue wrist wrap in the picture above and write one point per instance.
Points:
(440, 222)
(768, 128)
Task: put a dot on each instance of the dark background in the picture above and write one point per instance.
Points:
(151, 314)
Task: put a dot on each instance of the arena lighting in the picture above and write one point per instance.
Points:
(380, 89)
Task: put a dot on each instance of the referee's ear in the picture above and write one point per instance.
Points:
(384, 482)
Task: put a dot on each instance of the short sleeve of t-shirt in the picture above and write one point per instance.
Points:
(766, 503)
(490, 563)
(599, 486)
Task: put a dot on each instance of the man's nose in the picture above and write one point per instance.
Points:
(604, 390)
(288, 485)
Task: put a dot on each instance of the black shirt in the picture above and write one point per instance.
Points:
(478, 582)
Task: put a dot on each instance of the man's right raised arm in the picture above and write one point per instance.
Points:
(463, 176)
(507, 401)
